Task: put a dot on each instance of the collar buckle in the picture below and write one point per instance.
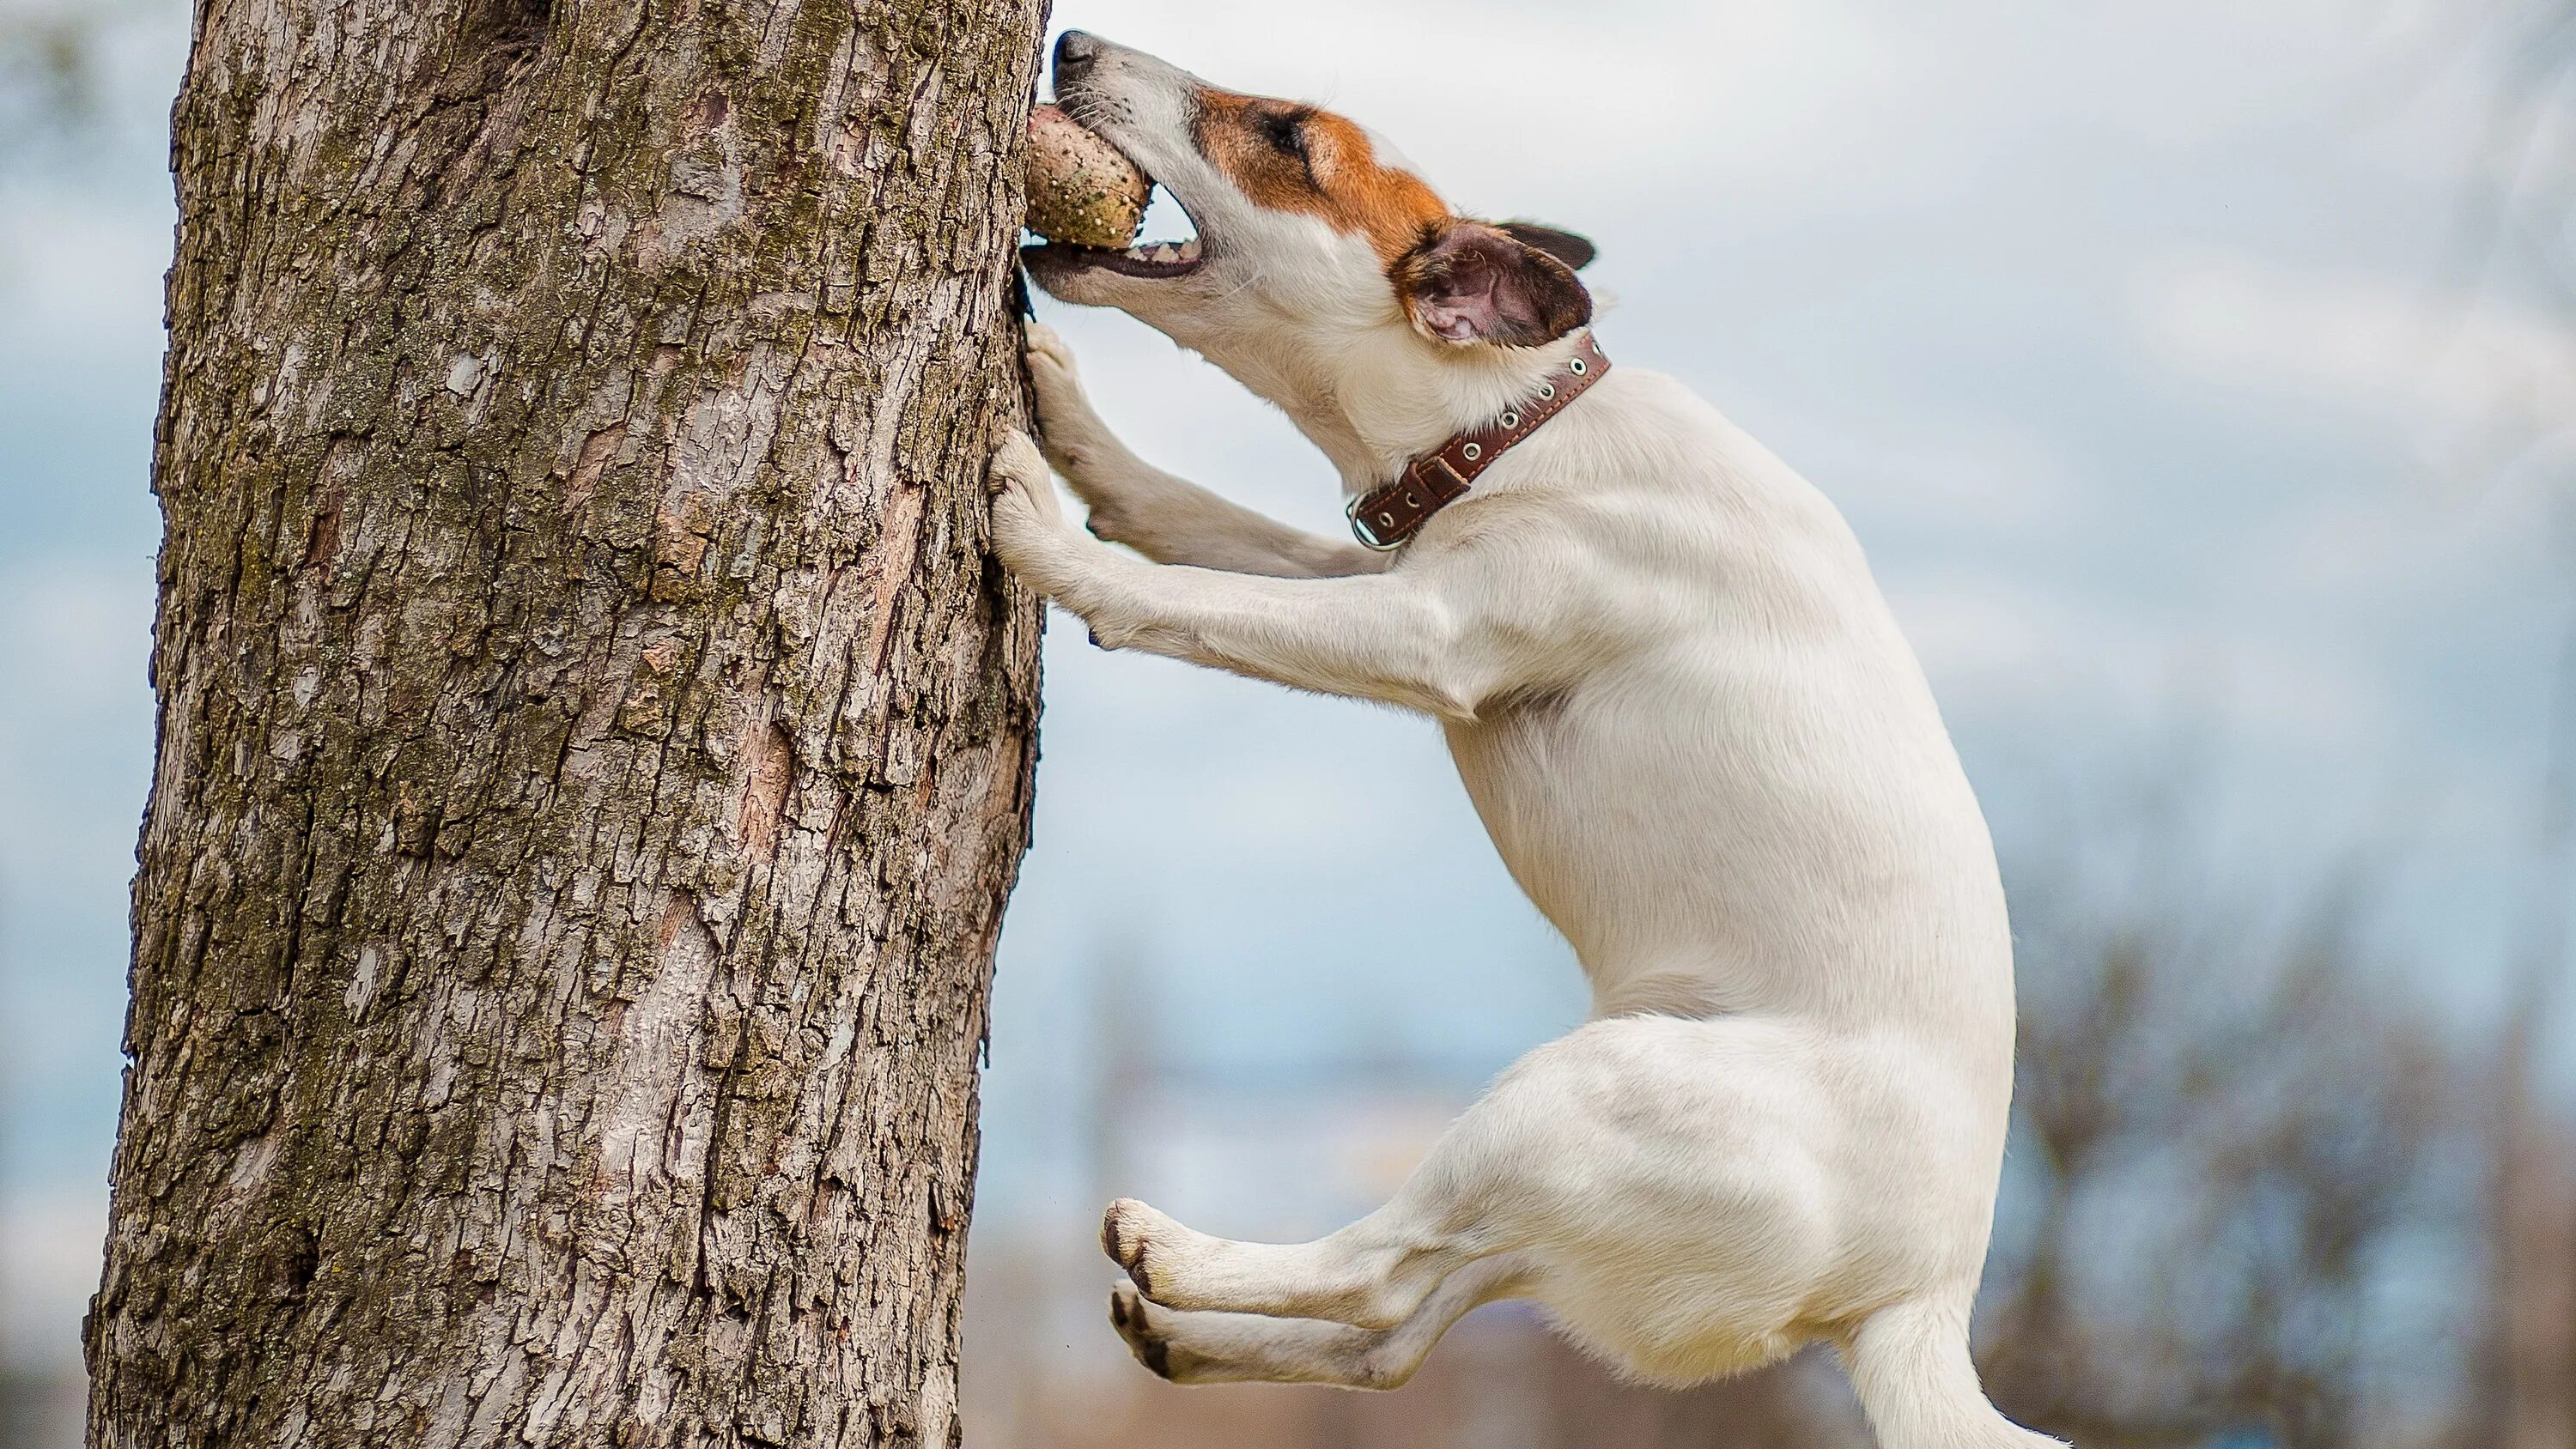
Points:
(1365, 528)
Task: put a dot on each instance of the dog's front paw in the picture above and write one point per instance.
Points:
(1018, 468)
(1048, 351)
(1028, 523)
(1065, 417)
(1070, 429)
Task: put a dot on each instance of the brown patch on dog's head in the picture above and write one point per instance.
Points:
(1298, 158)
(1468, 281)
(1459, 280)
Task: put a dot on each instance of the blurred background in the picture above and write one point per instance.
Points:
(2202, 378)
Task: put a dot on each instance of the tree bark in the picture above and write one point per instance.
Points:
(594, 739)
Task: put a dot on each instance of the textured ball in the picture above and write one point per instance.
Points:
(1081, 189)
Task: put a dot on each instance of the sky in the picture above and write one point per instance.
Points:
(2146, 347)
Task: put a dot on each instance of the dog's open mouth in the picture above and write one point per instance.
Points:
(1151, 259)
(1084, 191)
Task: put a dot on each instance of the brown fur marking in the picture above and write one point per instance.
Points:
(1338, 178)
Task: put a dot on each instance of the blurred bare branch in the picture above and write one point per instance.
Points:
(2237, 1146)
(47, 81)
(56, 64)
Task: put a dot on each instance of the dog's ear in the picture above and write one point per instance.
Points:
(1575, 251)
(1472, 282)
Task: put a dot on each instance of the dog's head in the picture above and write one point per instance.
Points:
(1312, 234)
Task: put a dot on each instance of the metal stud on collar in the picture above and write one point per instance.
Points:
(1380, 522)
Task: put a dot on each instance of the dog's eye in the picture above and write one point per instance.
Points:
(1287, 132)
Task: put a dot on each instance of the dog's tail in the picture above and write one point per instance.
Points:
(1910, 1366)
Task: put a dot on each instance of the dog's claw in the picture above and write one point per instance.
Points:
(1125, 1245)
(1128, 1315)
(1113, 1234)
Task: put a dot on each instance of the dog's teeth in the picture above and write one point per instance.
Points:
(1164, 254)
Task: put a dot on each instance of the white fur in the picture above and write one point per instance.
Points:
(1704, 750)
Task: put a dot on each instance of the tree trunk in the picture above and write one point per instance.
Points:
(594, 739)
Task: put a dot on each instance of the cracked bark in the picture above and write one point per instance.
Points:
(594, 739)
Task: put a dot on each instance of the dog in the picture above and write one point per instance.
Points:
(1687, 718)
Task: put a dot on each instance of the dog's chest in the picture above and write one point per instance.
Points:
(1562, 791)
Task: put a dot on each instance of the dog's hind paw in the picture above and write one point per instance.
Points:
(1129, 1314)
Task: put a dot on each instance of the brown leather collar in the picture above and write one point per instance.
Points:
(1384, 518)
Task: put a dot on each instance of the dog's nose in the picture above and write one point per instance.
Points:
(1075, 50)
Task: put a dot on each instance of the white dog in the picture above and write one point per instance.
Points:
(1686, 716)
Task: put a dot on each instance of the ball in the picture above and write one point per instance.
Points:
(1082, 190)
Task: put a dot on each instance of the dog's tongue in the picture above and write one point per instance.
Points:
(1082, 189)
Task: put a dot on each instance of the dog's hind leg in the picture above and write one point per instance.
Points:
(1190, 1347)
(1376, 1273)
(1372, 1274)
(1634, 1154)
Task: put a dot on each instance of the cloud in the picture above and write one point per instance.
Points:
(2384, 551)
(1790, 109)
(1936, 470)
(1545, 106)
(2460, 372)
(1996, 650)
